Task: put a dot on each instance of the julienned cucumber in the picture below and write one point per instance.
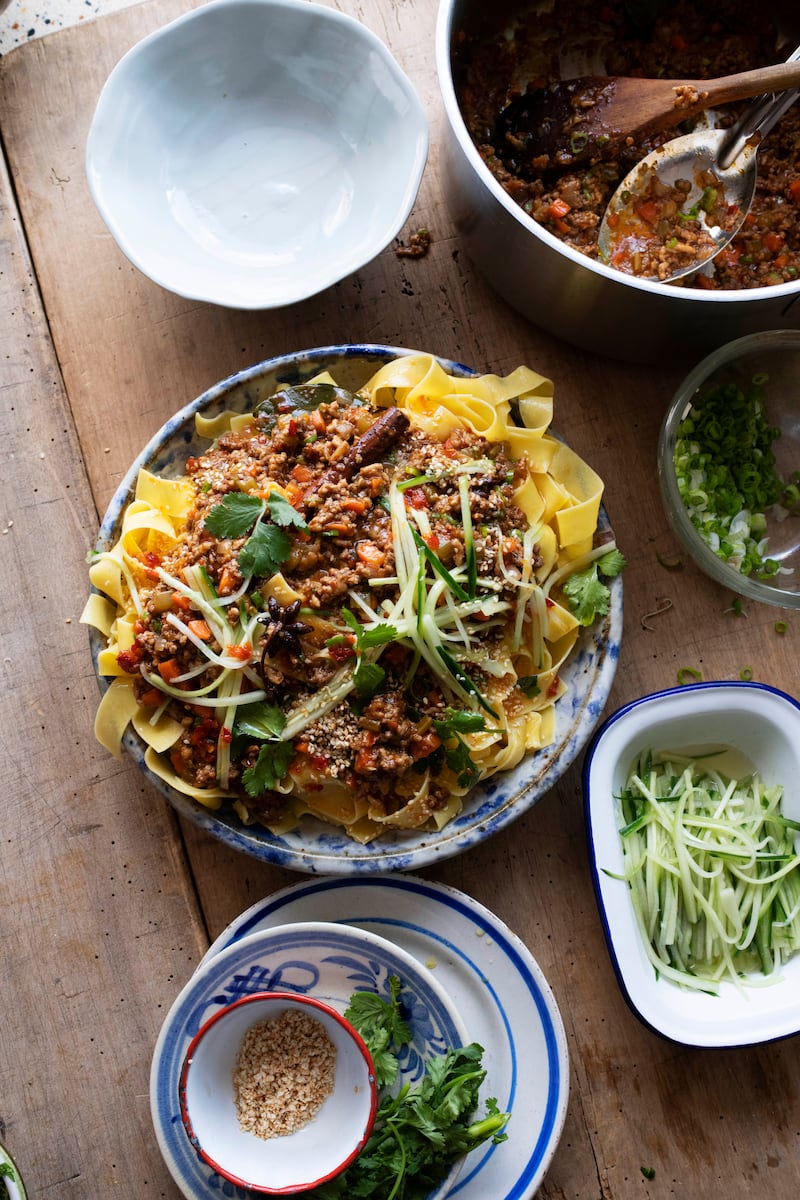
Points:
(713, 871)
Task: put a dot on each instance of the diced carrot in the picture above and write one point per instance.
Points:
(559, 208)
(152, 698)
(648, 211)
(227, 581)
(200, 629)
(424, 744)
(773, 241)
(705, 282)
(432, 541)
(240, 650)
(318, 421)
(355, 504)
(370, 555)
(782, 261)
(169, 669)
(181, 601)
(793, 191)
(302, 473)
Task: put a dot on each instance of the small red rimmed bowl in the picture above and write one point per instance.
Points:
(316, 1150)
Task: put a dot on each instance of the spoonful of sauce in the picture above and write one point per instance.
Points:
(579, 120)
(686, 200)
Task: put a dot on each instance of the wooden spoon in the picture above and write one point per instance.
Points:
(576, 120)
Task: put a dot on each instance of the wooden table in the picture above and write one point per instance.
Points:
(107, 900)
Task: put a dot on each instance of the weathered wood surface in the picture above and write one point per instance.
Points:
(106, 900)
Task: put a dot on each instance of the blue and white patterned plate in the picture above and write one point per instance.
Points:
(315, 958)
(495, 983)
(322, 849)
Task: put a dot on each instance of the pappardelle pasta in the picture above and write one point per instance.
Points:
(354, 606)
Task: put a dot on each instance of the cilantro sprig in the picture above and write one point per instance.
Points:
(420, 1131)
(587, 595)
(264, 722)
(368, 676)
(457, 752)
(269, 545)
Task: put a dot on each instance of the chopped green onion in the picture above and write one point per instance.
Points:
(746, 674)
(688, 675)
(781, 627)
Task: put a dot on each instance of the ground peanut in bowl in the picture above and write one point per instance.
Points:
(284, 1071)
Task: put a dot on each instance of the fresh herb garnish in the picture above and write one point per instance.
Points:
(235, 515)
(268, 546)
(420, 1132)
(460, 675)
(284, 513)
(265, 551)
(368, 676)
(587, 595)
(457, 752)
(271, 766)
(529, 684)
(260, 721)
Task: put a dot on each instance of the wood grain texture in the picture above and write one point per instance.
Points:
(106, 901)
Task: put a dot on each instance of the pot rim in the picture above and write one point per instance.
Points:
(444, 63)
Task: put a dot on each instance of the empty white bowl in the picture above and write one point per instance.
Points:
(764, 725)
(320, 1149)
(254, 152)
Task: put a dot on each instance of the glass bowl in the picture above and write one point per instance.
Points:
(761, 369)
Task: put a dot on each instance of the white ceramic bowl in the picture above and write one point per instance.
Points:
(254, 152)
(764, 724)
(320, 1149)
(314, 959)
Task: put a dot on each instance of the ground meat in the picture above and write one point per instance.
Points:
(302, 486)
(683, 40)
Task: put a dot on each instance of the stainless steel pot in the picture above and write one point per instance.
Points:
(561, 290)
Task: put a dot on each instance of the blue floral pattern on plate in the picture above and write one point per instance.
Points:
(328, 962)
(313, 847)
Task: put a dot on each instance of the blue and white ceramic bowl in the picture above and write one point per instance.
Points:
(253, 152)
(313, 847)
(763, 724)
(325, 961)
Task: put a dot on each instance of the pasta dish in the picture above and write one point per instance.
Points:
(353, 605)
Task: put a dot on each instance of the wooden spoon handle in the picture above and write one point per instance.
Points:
(748, 83)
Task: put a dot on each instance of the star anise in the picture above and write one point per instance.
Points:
(283, 630)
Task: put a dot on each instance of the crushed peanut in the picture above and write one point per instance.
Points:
(284, 1071)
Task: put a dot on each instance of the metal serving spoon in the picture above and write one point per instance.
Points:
(721, 161)
(575, 120)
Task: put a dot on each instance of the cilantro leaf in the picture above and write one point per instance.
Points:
(270, 767)
(265, 551)
(235, 515)
(611, 564)
(457, 752)
(260, 721)
(529, 684)
(377, 635)
(284, 513)
(587, 595)
(381, 1025)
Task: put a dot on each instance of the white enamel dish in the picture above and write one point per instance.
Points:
(314, 847)
(497, 986)
(315, 958)
(764, 725)
(253, 152)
